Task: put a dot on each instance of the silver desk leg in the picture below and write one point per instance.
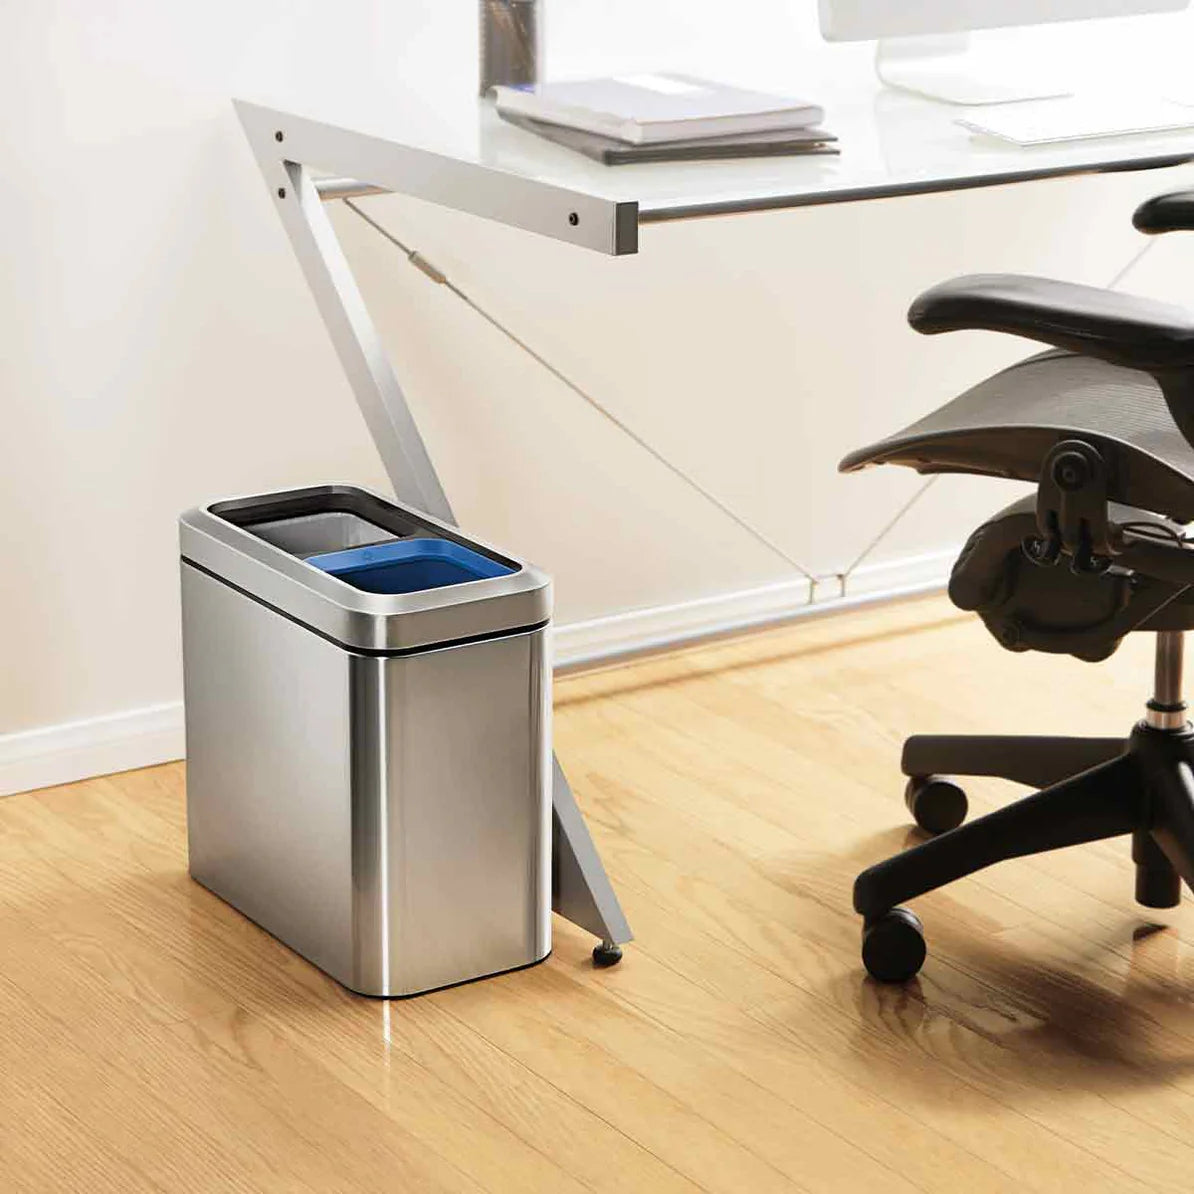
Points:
(581, 891)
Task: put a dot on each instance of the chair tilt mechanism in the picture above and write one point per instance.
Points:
(1103, 422)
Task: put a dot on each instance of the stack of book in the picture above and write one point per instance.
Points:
(665, 117)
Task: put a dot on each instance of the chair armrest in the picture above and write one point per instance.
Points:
(1173, 212)
(1122, 329)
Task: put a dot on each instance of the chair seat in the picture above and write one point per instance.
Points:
(1006, 426)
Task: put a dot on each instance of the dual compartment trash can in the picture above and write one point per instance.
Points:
(368, 705)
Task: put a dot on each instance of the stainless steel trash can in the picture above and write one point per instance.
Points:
(368, 736)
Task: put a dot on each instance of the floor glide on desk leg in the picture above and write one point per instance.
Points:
(606, 954)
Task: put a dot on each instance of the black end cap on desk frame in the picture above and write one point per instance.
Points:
(625, 229)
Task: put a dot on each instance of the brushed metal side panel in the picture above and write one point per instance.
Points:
(268, 769)
(451, 179)
(453, 756)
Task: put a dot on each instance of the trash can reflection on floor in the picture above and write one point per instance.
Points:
(368, 704)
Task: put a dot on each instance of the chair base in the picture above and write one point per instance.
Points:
(1091, 788)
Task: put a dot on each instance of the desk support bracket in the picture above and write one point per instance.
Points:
(581, 890)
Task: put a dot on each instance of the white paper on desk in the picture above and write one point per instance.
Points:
(1077, 118)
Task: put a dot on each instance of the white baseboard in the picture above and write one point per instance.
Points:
(76, 750)
(605, 640)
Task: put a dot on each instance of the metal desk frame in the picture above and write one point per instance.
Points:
(286, 147)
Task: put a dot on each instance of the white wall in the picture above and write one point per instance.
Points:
(159, 346)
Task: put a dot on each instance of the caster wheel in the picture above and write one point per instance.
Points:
(893, 946)
(606, 954)
(937, 804)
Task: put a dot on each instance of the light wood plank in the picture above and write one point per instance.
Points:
(156, 1040)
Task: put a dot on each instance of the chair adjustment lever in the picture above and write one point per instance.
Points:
(1071, 510)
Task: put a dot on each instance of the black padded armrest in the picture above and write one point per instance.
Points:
(1139, 333)
(1173, 212)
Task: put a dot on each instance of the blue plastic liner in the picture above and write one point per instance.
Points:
(409, 565)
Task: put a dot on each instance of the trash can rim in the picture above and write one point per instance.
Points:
(355, 618)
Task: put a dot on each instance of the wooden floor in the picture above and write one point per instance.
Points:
(152, 1039)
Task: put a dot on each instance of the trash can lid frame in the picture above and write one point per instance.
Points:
(217, 538)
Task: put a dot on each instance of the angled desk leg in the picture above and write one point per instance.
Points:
(581, 890)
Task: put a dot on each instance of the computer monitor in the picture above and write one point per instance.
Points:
(922, 43)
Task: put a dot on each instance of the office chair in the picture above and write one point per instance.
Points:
(1103, 422)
